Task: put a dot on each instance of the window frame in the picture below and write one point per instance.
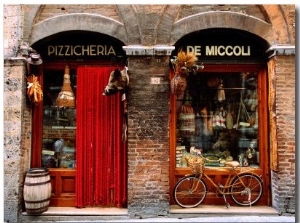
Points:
(37, 109)
(264, 169)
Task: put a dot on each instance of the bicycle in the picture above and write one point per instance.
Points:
(245, 188)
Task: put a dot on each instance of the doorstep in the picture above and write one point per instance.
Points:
(73, 211)
(174, 209)
(222, 210)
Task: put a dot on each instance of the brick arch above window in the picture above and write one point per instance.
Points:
(78, 21)
(283, 32)
(214, 19)
(126, 23)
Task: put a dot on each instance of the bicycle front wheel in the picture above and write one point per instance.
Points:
(189, 191)
(246, 189)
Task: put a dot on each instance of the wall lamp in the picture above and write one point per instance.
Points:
(34, 64)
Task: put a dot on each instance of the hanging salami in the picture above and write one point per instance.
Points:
(186, 119)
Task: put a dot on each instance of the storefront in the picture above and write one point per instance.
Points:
(82, 120)
(114, 128)
(220, 108)
(220, 112)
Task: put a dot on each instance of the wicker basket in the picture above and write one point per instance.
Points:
(196, 163)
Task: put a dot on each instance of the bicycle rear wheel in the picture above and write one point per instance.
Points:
(246, 189)
(189, 191)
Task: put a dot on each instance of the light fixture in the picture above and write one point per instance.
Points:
(34, 64)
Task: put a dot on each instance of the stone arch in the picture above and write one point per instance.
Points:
(281, 34)
(168, 31)
(78, 21)
(167, 19)
(220, 19)
(131, 23)
(29, 19)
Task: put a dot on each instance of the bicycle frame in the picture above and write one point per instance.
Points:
(240, 182)
(224, 189)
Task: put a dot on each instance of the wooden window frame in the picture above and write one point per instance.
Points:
(37, 109)
(264, 170)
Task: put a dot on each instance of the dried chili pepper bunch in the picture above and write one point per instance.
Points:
(185, 62)
(34, 89)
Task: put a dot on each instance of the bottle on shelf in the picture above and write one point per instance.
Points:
(185, 142)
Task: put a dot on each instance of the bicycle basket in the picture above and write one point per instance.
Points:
(196, 163)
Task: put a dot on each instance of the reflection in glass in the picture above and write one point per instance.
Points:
(218, 115)
(59, 123)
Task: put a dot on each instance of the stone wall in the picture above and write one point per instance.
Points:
(12, 30)
(16, 143)
(148, 137)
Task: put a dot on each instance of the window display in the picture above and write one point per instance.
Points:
(59, 119)
(218, 116)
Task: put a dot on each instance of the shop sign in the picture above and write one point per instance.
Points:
(80, 45)
(223, 45)
(80, 50)
(220, 50)
(223, 52)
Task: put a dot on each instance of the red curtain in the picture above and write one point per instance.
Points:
(101, 177)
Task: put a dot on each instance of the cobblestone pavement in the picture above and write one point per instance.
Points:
(232, 219)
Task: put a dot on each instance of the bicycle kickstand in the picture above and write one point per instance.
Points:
(226, 203)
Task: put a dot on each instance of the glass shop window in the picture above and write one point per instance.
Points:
(217, 114)
(59, 119)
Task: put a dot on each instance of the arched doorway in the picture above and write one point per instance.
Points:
(81, 145)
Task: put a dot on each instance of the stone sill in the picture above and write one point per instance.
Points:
(138, 50)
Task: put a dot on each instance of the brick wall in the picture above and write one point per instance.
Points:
(48, 132)
(148, 137)
(283, 181)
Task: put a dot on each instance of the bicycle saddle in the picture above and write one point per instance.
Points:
(232, 163)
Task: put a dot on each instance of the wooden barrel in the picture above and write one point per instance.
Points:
(37, 190)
